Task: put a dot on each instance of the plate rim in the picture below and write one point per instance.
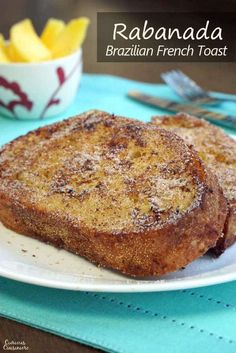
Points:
(78, 282)
(156, 286)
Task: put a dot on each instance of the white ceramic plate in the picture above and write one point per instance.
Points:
(28, 260)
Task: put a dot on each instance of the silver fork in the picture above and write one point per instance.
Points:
(188, 89)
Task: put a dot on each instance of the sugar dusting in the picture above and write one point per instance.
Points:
(107, 171)
(216, 148)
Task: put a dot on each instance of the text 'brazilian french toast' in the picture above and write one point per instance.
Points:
(218, 151)
(123, 194)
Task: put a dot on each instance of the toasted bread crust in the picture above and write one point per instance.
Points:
(218, 151)
(123, 194)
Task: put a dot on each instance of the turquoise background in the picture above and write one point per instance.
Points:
(193, 321)
(108, 93)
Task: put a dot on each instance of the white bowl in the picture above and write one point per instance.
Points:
(39, 90)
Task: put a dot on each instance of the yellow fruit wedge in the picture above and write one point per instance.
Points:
(71, 38)
(3, 54)
(26, 44)
(2, 41)
(11, 53)
(51, 31)
(3, 57)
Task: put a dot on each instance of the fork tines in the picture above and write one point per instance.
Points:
(183, 85)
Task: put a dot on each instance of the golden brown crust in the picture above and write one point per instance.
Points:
(125, 195)
(219, 153)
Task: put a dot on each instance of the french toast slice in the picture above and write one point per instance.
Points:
(218, 151)
(123, 194)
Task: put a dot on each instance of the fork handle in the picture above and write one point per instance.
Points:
(222, 119)
(223, 99)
